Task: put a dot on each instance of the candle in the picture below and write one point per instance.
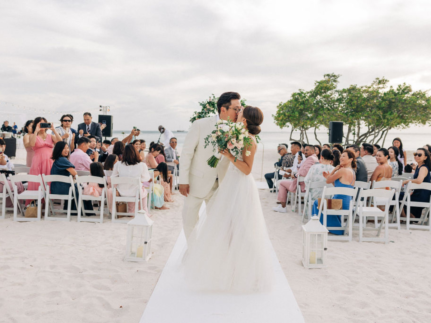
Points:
(312, 257)
(140, 251)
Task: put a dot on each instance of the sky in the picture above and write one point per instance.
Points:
(153, 61)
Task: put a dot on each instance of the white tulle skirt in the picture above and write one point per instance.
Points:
(229, 248)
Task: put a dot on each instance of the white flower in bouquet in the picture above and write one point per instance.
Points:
(214, 136)
(241, 137)
(233, 140)
(224, 127)
(248, 153)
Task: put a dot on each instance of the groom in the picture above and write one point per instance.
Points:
(198, 181)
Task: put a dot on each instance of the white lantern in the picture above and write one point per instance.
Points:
(315, 241)
(139, 232)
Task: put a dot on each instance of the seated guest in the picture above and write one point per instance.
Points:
(119, 150)
(164, 181)
(290, 185)
(327, 146)
(142, 149)
(92, 152)
(62, 166)
(99, 147)
(5, 162)
(318, 151)
(361, 169)
(131, 137)
(137, 144)
(104, 151)
(28, 130)
(397, 167)
(110, 162)
(422, 175)
(408, 169)
(154, 151)
(80, 158)
(342, 176)
(161, 158)
(111, 147)
(286, 160)
(338, 147)
(6, 128)
(297, 160)
(131, 166)
(383, 171)
(172, 154)
(94, 189)
(375, 149)
(337, 156)
(367, 156)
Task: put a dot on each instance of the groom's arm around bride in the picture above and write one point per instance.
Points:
(198, 181)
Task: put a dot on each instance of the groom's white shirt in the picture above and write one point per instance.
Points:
(194, 156)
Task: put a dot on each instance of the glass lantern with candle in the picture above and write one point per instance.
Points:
(315, 241)
(139, 233)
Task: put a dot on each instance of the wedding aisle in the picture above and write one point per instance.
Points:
(172, 302)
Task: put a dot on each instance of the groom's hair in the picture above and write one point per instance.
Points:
(296, 143)
(225, 98)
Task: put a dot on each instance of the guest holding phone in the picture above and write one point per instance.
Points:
(80, 158)
(42, 144)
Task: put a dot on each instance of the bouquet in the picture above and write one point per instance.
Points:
(228, 135)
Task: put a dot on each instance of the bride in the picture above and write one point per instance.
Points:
(228, 249)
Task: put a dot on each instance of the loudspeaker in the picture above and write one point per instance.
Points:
(10, 147)
(108, 120)
(335, 132)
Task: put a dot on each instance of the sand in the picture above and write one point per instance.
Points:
(73, 272)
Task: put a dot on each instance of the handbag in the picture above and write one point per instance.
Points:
(333, 204)
(31, 210)
(121, 206)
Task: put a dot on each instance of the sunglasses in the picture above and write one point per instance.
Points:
(66, 120)
(417, 155)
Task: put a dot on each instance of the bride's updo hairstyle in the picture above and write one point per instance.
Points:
(254, 117)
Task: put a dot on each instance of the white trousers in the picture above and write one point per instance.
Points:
(192, 205)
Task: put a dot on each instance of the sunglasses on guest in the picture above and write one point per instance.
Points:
(417, 155)
(66, 120)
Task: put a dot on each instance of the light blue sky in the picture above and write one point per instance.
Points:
(152, 61)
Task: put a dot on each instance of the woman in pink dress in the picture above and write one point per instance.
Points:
(28, 130)
(150, 159)
(42, 144)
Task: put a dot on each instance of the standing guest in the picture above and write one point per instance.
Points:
(6, 128)
(119, 150)
(5, 162)
(403, 155)
(90, 128)
(28, 130)
(104, 150)
(337, 156)
(154, 151)
(131, 166)
(290, 185)
(42, 144)
(167, 135)
(92, 149)
(384, 170)
(80, 158)
(370, 162)
(375, 149)
(327, 146)
(397, 167)
(285, 161)
(361, 169)
(172, 155)
(111, 147)
(164, 181)
(65, 131)
(15, 128)
(341, 176)
(338, 147)
(318, 151)
(422, 175)
(74, 132)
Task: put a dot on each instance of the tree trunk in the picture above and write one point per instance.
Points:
(315, 136)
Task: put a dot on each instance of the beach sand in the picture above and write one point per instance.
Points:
(73, 272)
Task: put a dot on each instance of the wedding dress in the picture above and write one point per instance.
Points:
(229, 248)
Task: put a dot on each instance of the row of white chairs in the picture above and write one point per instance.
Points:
(51, 213)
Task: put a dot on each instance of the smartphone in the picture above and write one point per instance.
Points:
(134, 128)
(44, 125)
(104, 121)
(90, 152)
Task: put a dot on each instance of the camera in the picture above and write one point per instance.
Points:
(45, 125)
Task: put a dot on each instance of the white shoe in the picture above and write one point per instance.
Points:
(280, 209)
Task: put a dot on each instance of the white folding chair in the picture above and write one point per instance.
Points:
(360, 186)
(408, 175)
(299, 195)
(276, 179)
(108, 174)
(425, 215)
(83, 173)
(80, 180)
(308, 201)
(27, 195)
(21, 170)
(136, 198)
(395, 214)
(399, 178)
(49, 206)
(150, 190)
(331, 191)
(373, 211)
(175, 176)
(4, 195)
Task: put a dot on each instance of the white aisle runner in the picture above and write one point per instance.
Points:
(172, 302)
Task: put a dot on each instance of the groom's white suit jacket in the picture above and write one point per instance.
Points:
(194, 169)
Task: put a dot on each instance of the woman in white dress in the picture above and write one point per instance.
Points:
(315, 174)
(229, 249)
